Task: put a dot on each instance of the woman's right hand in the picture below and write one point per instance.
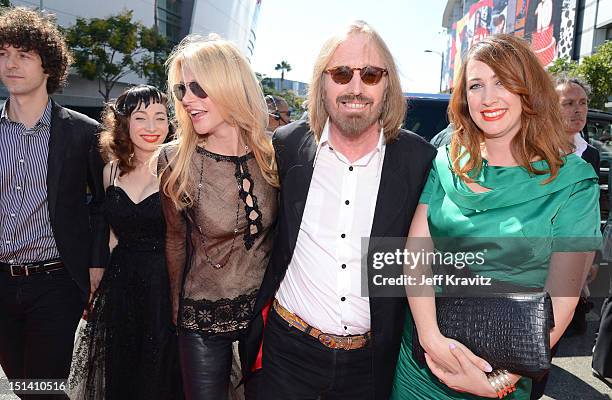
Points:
(469, 380)
(437, 347)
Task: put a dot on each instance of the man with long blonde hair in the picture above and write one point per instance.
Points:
(346, 173)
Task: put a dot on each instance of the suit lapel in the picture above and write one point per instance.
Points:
(58, 147)
(302, 173)
(391, 193)
(390, 205)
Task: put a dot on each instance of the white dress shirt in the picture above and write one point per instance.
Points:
(580, 144)
(323, 280)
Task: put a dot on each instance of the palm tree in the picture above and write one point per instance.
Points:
(282, 67)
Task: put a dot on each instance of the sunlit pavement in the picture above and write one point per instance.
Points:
(571, 377)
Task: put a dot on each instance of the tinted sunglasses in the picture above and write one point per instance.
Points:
(180, 89)
(369, 75)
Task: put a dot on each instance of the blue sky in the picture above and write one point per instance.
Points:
(294, 31)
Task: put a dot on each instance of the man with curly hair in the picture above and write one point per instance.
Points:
(51, 239)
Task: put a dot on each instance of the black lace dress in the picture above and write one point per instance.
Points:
(127, 349)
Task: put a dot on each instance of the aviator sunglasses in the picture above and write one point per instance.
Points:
(369, 75)
(180, 89)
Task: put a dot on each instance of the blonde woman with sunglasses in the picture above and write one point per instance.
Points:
(218, 185)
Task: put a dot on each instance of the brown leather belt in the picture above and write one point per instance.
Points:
(352, 342)
(31, 268)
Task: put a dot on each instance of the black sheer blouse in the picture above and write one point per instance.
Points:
(218, 249)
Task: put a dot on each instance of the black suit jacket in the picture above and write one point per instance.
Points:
(74, 164)
(591, 155)
(406, 164)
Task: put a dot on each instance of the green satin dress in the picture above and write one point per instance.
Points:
(563, 215)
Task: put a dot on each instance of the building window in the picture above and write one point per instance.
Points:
(169, 19)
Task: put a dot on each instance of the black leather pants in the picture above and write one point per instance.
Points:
(206, 363)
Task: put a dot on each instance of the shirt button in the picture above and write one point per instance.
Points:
(347, 202)
(351, 168)
(7, 241)
(13, 215)
(342, 298)
(343, 266)
(345, 328)
(343, 236)
(18, 187)
(21, 160)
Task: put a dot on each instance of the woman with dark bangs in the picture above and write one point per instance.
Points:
(127, 349)
(509, 173)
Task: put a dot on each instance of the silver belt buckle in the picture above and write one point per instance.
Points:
(17, 265)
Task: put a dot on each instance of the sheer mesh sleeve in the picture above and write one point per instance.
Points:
(229, 232)
(176, 235)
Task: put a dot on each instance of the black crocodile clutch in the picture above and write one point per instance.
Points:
(511, 331)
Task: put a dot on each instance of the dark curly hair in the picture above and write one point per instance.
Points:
(115, 140)
(30, 30)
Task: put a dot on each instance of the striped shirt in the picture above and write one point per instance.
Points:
(25, 228)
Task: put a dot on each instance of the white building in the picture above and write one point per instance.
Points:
(594, 26)
(235, 20)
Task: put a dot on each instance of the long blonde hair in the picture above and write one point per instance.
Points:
(394, 103)
(226, 76)
(541, 135)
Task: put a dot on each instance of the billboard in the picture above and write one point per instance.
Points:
(548, 25)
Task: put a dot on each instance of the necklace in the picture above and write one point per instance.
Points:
(202, 229)
(204, 142)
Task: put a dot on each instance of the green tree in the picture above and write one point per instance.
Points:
(152, 63)
(282, 67)
(564, 65)
(267, 83)
(597, 69)
(109, 49)
(5, 3)
(294, 102)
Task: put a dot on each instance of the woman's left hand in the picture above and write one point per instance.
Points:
(469, 379)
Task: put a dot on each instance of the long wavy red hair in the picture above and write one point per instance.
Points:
(541, 136)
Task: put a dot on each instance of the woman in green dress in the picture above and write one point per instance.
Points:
(509, 173)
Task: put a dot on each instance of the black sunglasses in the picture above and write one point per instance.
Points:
(369, 75)
(277, 115)
(180, 89)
